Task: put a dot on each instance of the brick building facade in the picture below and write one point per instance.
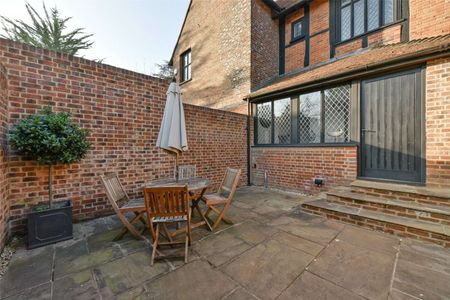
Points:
(122, 110)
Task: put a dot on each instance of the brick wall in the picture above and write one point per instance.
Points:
(264, 44)
(4, 203)
(294, 168)
(319, 22)
(218, 34)
(438, 122)
(123, 110)
(429, 18)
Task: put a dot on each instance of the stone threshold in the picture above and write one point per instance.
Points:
(403, 188)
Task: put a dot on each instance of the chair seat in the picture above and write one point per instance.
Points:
(134, 205)
(169, 219)
(212, 199)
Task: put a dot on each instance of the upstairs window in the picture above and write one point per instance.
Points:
(186, 66)
(297, 30)
(357, 17)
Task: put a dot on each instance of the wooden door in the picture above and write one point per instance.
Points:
(392, 126)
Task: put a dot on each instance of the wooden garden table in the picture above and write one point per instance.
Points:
(197, 187)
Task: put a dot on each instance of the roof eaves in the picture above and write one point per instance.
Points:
(415, 57)
(179, 35)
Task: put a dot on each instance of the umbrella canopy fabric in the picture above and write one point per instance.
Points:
(172, 134)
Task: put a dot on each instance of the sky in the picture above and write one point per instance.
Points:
(131, 34)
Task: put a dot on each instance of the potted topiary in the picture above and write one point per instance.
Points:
(50, 139)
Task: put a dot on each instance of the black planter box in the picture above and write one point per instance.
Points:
(51, 225)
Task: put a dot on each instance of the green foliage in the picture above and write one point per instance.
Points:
(165, 71)
(48, 32)
(50, 138)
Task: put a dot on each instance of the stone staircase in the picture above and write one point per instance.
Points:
(407, 211)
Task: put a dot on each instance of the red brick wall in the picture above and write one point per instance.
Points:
(295, 57)
(4, 203)
(123, 110)
(438, 122)
(264, 44)
(295, 168)
(429, 18)
(389, 35)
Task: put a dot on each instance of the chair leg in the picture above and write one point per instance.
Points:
(186, 244)
(224, 217)
(166, 231)
(155, 245)
(220, 217)
(128, 228)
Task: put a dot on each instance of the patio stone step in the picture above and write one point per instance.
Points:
(401, 226)
(402, 208)
(419, 194)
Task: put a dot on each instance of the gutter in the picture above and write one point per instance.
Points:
(370, 69)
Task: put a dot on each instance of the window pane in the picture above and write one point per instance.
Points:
(345, 2)
(345, 23)
(188, 72)
(358, 18)
(264, 123)
(282, 121)
(388, 7)
(337, 114)
(309, 118)
(373, 10)
(297, 30)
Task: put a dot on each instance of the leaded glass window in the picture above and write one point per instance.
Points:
(282, 121)
(337, 114)
(186, 66)
(309, 125)
(264, 123)
(356, 19)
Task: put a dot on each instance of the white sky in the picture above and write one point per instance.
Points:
(131, 34)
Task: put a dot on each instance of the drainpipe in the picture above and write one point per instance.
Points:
(248, 141)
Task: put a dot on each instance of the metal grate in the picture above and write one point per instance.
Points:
(337, 114)
(309, 119)
(264, 127)
(282, 122)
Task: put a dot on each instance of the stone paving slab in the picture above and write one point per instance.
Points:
(196, 280)
(366, 273)
(309, 286)
(40, 292)
(267, 269)
(79, 285)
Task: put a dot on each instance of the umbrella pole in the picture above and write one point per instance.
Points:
(176, 167)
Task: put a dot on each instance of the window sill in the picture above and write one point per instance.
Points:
(337, 44)
(318, 145)
(186, 81)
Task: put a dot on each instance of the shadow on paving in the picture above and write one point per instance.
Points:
(273, 250)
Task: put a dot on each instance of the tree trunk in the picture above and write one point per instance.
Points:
(50, 192)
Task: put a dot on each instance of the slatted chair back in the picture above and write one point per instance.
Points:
(229, 183)
(170, 201)
(187, 171)
(114, 190)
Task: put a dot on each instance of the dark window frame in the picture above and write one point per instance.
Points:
(381, 19)
(295, 110)
(187, 66)
(302, 34)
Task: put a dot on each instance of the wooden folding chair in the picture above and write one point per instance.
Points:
(167, 205)
(223, 197)
(187, 171)
(122, 204)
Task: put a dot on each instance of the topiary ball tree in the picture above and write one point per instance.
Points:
(50, 139)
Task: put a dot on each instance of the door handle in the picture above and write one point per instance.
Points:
(368, 130)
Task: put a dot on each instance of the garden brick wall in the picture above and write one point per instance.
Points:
(438, 122)
(123, 111)
(4, 204)
(429, 18)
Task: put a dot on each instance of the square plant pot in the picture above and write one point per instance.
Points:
(51, 225)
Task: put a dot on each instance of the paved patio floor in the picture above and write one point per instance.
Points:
(272, 251)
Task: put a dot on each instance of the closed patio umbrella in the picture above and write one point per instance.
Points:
(172, 134)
